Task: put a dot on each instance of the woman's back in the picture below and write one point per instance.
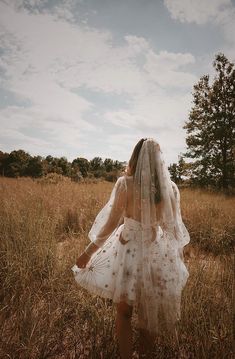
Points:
(131, 211)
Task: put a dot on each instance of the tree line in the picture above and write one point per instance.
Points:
(19, 163)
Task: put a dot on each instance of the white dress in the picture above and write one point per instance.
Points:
(115, 271)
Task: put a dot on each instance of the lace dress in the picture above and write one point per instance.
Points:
(115, 270)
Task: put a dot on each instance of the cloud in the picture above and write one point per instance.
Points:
(47, 56)
(13, 120)
(160, 113)
(29, 64)
(164, 69)
(198, 11)
(218, 13)
(33, 130)
(137, 44)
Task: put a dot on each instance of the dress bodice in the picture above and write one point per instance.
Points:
(132, 224)
(136, 225)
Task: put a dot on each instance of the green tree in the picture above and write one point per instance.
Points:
(211, 126)
(3, 162)
(96, 164)
(119, 165)
(16, 163)
(173, 169)
(97, 167)
(35, 167)
(81, 164)
(108, 164)
(57, 165)
(178, 170)
(51, 165)
(65, 166)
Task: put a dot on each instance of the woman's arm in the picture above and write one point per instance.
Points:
(84, 258)
(116, 210)
(107, 221)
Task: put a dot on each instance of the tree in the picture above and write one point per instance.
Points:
(51, 165)
(177, 171)
(96, 164)
(119, 165)
(65, 166)
(108, 164)
(35, 167)
(211, 126)
(16, 163)
(81, 164)
(57, 165)
(173, 169)
(97, 167)
(3, 162)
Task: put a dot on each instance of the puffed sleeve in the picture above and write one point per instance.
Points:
(111, 215)
(181, 232)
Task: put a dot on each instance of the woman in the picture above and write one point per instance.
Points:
(139, 262)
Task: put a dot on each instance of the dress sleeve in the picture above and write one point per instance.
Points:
(111, 215)
(181, 233)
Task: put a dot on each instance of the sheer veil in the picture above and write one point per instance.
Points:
(153, 188)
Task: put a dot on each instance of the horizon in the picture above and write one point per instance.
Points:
(44, 157)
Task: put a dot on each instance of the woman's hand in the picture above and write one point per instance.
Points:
(82, 260)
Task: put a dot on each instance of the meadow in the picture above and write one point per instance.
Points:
(43, 312)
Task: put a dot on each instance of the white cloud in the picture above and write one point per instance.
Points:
(137, 44)
(157, 112)
(15, 120)
(121, 145)
(198, 11)
(158, 116)
(122, 118)
(30, 67)
(164, 68)
(46, 57)
(219, 13)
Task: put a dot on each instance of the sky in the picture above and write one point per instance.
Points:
(86, 78)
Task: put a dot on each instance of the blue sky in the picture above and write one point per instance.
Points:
(86, 78)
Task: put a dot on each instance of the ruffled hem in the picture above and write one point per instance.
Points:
(104, 293)
(115, 272)
(160, 329)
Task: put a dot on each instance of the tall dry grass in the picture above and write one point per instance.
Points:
(210, 220)
(44, 314)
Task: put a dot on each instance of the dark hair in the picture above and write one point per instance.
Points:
(134, 157)
(132, 167)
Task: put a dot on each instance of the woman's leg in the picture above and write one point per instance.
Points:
(146, 343)
(123, 329)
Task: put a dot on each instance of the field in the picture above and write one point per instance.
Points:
(43, 312)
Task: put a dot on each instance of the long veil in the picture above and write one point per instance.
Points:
(152, 186)
(157, 206)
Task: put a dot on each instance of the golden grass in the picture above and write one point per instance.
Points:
(45, 314)
(210, 219)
